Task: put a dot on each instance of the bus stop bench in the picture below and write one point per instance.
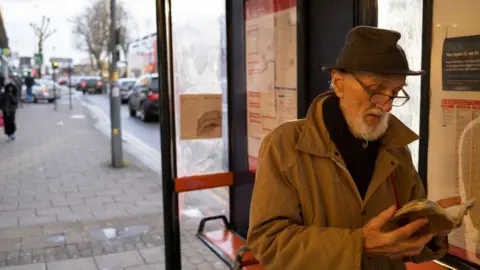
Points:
(226, 244)
(253, 267)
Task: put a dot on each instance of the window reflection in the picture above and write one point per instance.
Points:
(405, 16)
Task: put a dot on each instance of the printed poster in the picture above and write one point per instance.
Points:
(271, 56)
(461, 63)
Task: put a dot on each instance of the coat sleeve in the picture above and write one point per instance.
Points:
(13, 99)
(277, 235)
(438, 247)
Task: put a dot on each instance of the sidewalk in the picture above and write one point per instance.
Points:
(63, 207)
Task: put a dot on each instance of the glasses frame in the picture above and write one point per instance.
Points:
(371, 93)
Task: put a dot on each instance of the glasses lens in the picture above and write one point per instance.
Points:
(379, 99)
(399, 101)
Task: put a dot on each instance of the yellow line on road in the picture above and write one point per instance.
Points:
(224, 191)
(217, 198)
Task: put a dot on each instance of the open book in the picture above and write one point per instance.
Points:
(440, 219)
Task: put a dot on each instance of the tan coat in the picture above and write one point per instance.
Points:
(306, 212)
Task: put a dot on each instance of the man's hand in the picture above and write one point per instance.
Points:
(394, 244)
(445, 203)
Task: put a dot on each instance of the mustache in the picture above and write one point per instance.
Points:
(376, 112)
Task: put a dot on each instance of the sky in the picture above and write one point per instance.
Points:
(19, 14)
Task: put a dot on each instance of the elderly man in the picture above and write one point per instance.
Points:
(327, 185)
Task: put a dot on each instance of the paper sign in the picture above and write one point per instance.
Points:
(200, 116)
(116, 91)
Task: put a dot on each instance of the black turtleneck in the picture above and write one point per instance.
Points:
(360, 161)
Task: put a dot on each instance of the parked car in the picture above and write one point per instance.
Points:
(144, 98)
(63, 80)
(43, 90)
(126, 85)
(74, 80)
(78, 86)
(91, 85)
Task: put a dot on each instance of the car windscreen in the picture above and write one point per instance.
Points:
(47, 83)
(127, 84)
(91, 81)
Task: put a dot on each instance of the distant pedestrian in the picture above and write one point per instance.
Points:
(29, 82)
(8, 105)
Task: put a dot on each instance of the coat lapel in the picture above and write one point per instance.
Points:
(385, 166)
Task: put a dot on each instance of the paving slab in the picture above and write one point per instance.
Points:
(62, 206)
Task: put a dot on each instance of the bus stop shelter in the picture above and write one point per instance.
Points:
(263, 66)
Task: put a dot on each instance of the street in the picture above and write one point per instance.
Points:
(67, 201)
(148, 133)
(62, 204)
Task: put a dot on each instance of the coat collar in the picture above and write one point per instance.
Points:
(315, 139)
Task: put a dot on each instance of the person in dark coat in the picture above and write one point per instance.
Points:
(2, 81)
(8, 105)
(29, 82)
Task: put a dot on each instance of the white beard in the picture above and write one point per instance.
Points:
(361, 130)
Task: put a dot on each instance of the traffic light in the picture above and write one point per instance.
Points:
(54, 64)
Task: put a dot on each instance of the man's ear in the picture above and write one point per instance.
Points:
(338, 83)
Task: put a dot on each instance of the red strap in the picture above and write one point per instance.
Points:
(395, 193)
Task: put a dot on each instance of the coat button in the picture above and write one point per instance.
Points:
(364, 212)
(393, 163)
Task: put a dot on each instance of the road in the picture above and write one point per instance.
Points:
(143, 140)
(148, 133)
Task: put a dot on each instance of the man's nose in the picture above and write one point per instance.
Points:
(386, 107)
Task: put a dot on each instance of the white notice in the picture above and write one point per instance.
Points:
(200, 116)
(115, 92)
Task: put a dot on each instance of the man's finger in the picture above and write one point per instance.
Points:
(409, 229)
(418, 244)
(423, 240)
(444, 233)
(412, 247)
(382, 218)
(451, 201)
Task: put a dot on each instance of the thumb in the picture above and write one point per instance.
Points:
(382, 218)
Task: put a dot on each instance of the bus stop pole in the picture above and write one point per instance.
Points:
(54, 90)
(70, 84)
(167, 136)
(115, 106)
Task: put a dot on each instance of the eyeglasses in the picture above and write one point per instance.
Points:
(376, 98)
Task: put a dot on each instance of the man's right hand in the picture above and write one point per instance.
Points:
(395, 244)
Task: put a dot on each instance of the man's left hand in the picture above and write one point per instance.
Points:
(445, 203)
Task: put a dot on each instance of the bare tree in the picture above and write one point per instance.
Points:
(43, 32)
(91, 30)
